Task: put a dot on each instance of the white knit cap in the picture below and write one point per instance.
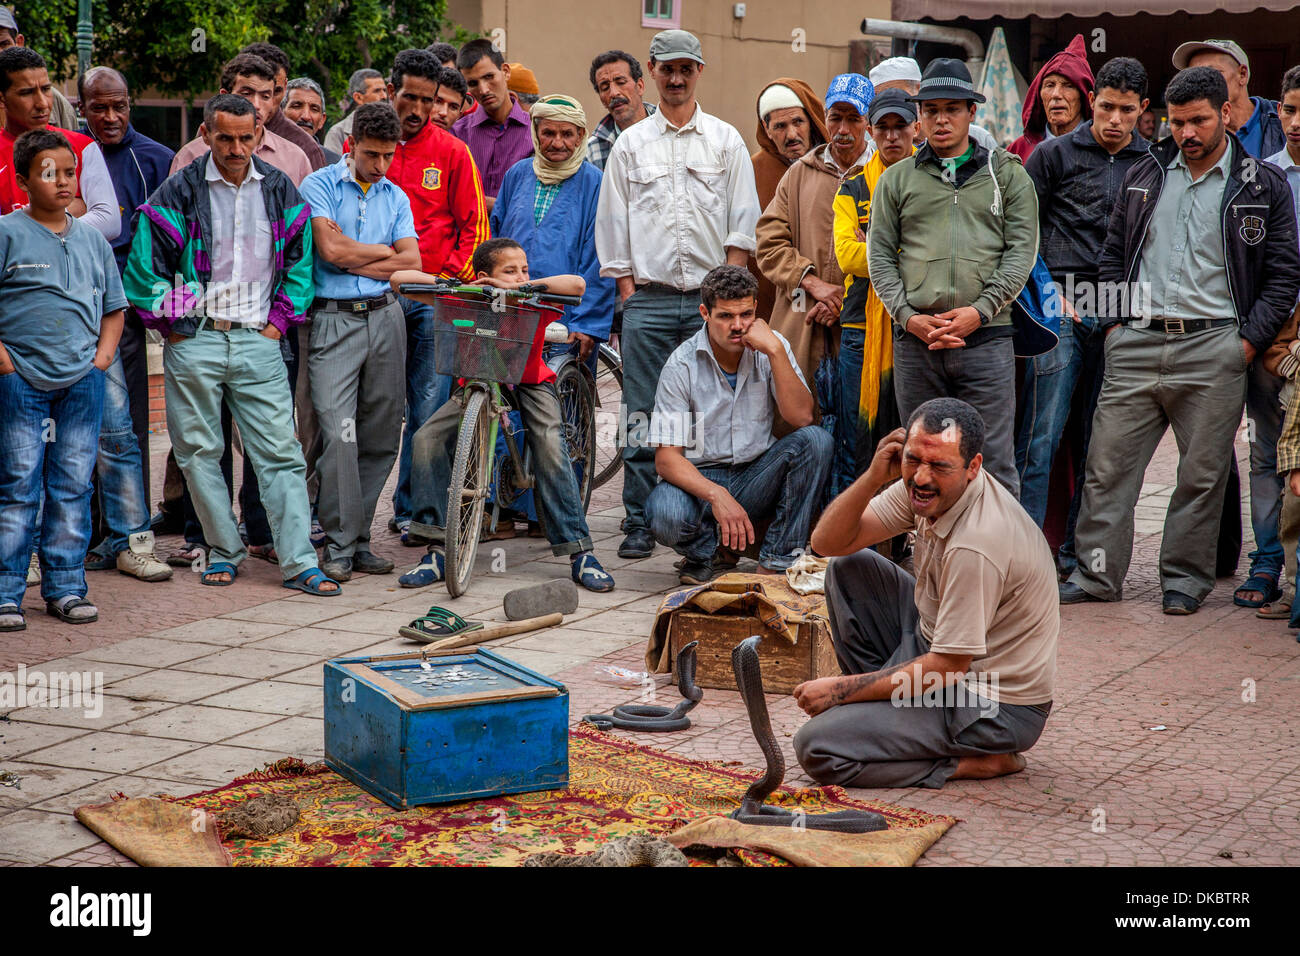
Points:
(777, 97)
(894, 69)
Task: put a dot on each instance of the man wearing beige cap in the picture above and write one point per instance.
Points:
(677, 200)
(1252, 118)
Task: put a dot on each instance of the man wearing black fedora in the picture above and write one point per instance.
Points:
(952, 240)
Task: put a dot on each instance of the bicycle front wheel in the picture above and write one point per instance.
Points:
(467, 492)
(609, 395)
(578, 414)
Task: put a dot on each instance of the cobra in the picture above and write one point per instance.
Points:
(652, 717)
(753, 810)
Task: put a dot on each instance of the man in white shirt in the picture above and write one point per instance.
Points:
(677, 200)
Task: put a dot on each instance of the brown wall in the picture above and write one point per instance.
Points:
(557, 40)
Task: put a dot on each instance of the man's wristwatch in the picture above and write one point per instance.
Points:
(984, 319)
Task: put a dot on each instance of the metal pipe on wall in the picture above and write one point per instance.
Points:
(967, 40)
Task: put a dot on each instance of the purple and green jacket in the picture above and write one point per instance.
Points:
(169, 263)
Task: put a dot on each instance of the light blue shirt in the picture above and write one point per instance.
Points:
(54, 289)
(1283, 161)
(381, 215)
(1183, 257)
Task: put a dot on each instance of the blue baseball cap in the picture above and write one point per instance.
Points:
(852, 88)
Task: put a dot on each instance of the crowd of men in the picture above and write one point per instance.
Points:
(779, 315)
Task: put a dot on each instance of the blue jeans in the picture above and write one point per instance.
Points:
(124, 500)
(1265, 414)
(656, 320)
(48, 443)
(426, 392)
(555, 495)
(1048, 396)
(784, 484)
(855, 440)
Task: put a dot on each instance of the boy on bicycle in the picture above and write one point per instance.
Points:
(502, 263)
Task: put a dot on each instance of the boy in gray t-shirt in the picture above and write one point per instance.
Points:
(61, 303)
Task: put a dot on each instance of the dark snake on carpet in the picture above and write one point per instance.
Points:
(749, 678)
(651, 717)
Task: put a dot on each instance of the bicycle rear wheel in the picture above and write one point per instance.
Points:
(609, 394)
(471, 476)
(578, 414)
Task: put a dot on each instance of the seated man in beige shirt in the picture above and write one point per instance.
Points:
(949, 675)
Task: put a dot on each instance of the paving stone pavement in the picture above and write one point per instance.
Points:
(1171, 740)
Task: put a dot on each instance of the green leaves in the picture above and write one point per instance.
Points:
(177, 47)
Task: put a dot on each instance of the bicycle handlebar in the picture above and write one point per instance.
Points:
(530, 292)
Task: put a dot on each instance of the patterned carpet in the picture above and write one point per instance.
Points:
(615, 788)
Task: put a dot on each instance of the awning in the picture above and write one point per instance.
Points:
(1047, 9)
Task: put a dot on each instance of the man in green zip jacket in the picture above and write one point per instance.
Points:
(952, 240)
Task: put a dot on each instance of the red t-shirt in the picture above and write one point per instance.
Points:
(537, 371)
(11, 197)
(438, 175)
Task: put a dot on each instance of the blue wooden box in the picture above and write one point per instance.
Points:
(437, 727)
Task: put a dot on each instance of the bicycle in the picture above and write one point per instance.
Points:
(484, 336)
(608, 389)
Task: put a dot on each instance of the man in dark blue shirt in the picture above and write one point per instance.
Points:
(137, 165)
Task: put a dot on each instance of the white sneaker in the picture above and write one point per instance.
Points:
(139, 561)
(33, 571)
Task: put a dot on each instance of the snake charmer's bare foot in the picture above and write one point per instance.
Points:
(988, 766)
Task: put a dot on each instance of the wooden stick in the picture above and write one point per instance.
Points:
(494, 631)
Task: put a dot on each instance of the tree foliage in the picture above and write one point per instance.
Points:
(177, 46)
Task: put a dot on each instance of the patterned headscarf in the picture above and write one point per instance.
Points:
(563, 109)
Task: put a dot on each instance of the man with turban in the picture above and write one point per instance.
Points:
(547, 204)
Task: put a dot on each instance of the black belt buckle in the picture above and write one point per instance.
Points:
(360, 305)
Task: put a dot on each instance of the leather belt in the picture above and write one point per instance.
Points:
(225, 325)
(661, 287)
(356, 305)
(1181, 326)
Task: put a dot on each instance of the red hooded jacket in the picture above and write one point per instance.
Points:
(1071, 63)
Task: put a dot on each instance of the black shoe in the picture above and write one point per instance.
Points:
(368, 563)
(1176, 602)
(338, 569)
(95, 561)
(165, 522)
(638, 544)
(1073, 594)
(696, 572)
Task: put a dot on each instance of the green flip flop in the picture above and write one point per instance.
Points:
(436, 625)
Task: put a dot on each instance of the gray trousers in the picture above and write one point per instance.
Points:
(308, 426)
(1196, 383)
(878, 743)
(982, 375)
(357, 363)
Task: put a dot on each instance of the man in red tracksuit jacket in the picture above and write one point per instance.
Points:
(438, 175)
